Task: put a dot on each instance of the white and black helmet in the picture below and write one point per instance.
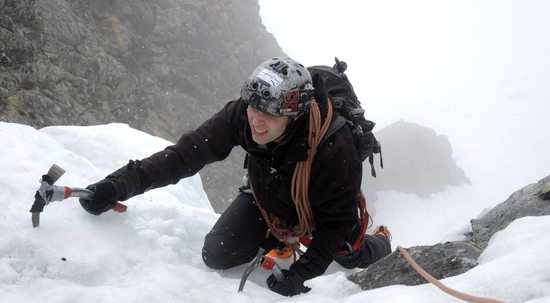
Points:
(279, 87)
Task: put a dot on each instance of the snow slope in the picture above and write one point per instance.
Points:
(152, 252)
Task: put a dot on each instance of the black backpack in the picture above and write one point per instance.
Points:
(346, 103)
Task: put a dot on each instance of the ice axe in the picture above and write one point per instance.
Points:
(264, 262)
(48, 192)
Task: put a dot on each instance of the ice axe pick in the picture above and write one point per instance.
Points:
(48, 192)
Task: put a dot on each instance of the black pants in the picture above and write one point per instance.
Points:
(241, 231)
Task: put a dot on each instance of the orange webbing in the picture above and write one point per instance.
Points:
(364, 217)
(434, 281)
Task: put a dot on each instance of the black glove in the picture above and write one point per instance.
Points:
(292, 284)
(103, 199)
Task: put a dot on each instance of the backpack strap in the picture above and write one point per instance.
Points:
(371, 162)
(335, 125)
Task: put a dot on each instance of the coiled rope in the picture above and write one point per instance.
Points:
(300, 186)
(302, 172)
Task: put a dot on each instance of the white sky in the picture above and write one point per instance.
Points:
(152, 253)
(398, 49)
(403, 53)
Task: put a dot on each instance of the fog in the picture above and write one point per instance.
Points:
(474, 71)
(406, 57)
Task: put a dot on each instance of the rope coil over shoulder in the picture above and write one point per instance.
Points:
(300, 185)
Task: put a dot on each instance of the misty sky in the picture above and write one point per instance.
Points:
(477, 72)
(402, 54)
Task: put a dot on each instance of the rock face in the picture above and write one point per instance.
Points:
(161, 66)
(453, 258)
(532, 200)
(416, 160)
(442, 260)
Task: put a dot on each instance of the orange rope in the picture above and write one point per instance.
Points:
(301, 177)
(300, 186)
(438, 284)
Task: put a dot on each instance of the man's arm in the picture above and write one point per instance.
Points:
(210, 142)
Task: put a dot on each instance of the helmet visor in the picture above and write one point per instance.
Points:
(270, 106)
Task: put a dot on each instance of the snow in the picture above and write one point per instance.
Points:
(153, 251)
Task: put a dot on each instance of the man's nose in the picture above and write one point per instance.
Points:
(258, 117)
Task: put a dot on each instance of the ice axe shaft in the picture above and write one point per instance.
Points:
(264, 262)
(48, 192)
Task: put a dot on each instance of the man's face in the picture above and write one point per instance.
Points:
(265, 128)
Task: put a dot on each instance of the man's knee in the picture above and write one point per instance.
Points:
(236, 236)
(214, 255)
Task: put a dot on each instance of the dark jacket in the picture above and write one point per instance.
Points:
(335, 175)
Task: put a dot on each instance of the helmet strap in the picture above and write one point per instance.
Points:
(287, 129)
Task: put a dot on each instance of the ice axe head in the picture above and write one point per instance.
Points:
(45, 193)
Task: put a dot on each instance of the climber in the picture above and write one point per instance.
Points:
(300, 184)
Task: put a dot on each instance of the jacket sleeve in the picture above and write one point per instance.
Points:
(210, 142)
(336, 180)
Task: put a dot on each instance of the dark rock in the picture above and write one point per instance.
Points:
(441, 261)
(544, 194)
(453, 258)
(416, 160)
(522, 203)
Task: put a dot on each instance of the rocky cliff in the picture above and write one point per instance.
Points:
(416, 160)
(161, 66)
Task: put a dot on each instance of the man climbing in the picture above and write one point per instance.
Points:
(303, 183)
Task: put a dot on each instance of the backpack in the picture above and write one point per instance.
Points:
(344, 99)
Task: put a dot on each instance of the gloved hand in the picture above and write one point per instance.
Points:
(104, 197)
(292, 284)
